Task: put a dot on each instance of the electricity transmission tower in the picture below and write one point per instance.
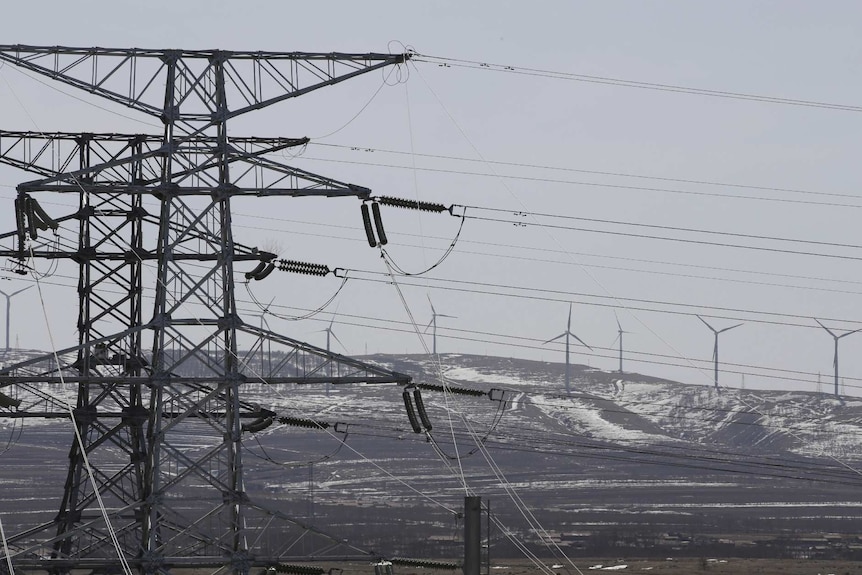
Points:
(148, 377)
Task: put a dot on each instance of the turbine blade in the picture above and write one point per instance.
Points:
(554, 338)
(433, 311)
(824, 327)
(580, 340)
(704, 322)
(19, 291)
(850, 333)
(619, 327)
(335, 337)
(731, 327)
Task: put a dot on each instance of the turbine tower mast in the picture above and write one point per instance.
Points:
(166, 506)
(715, 347)
(836, 337)
(567, 334)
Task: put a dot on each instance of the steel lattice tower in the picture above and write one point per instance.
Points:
(149, 379)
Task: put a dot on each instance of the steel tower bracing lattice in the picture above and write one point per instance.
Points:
(158, 393)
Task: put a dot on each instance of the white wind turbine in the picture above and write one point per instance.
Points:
(715, 348)
(835, 357)
(433, 325)
(331, 334)
(567, 334)
(619, 337)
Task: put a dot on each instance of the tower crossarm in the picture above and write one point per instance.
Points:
(135, 77)
(131, 164)
(53, 154)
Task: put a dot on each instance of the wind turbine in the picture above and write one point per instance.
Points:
(620, 333)
(331, 334)
(835, 359)
(262, 317)
(9, 297)
(566, 334)
(433, 325)
(715, 349)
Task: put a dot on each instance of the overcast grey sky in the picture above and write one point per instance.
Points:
(797, 50)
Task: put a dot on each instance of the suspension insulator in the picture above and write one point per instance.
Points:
(20, 220)
(257, 425)
(411, 414)
(378, 223)
(266, 271)
(420, 409)
(31, 221)
(369, 232)
(297, 569)
(7, 402)
(260, 267)
(303, 268)
(450, 389)
(299, 422)
(411, 204)
(405, 562)
(47, 220)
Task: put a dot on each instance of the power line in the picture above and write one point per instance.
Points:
(532, 290)
(784, 374)
(657, 227)
(580, 264)
(670, 239)
(593, 172)
(636, 356)
(477, 65)
(583, 183)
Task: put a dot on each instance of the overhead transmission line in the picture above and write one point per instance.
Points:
(366, 149)
(784, 374)
(661, 87)
(620, 404)
(519, 213)
(670, 239)
(583, 183)
(675, 455)
(554, 251)
(527, 343)
(528, 293)
(646, 309)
